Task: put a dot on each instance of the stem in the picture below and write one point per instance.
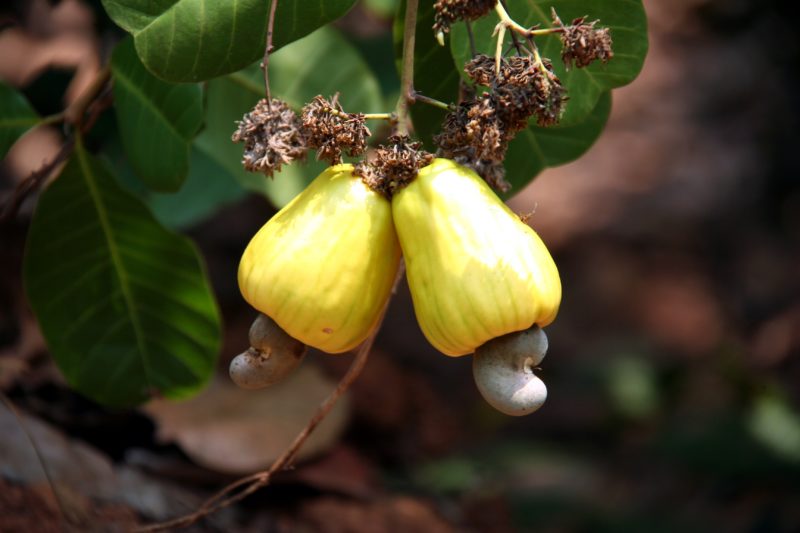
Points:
(417, 97)
(513, 35)
(472, 48)
(75, 112)
(35, 179)
(93, 101)
(369, 116)
(511, 24)
(273, 6)
(247, 485)
(538, 58)
(53, 119)
(407, 74)
(498, 53)
(380, 116)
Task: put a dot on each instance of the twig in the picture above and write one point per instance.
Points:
(247, 485)
(391, 117)
(273, 6)
(498, 54)
(514, 26)
(369, 116)
(52, 119)
(81, 114)
(472, 48)
(513, 35)
(407, 75)
(74, 114)
(418, 97)
(538, 59)
(35, 180)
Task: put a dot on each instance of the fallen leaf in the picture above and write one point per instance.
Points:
(77, 470)
(236, 431)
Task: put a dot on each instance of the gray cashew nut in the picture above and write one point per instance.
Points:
(503, 371)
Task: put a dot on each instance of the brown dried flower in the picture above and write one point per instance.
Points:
(516, 70)
(477, 133)
(583, 43)
(272, 137)
(331, 131)
(473, 135)
(550, 95)
(449, 11)
(393, 165)
(523, 89)
(481, 70)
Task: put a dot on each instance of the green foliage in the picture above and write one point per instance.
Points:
(776, 426)
(383, 8)
(193, 40)
(157, 120)
(16, 117)
(536, 148)
(625, 18)
(322, 63)
(207, 188)
(123, 303)
(435, 74)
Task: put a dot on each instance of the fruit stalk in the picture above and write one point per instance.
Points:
(407, 72)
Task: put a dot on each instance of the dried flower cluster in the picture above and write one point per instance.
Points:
(393, 165)
(331, 131)
(272, 137)
(477, 133)
(523, 89)
(449, 11)
(583, 43)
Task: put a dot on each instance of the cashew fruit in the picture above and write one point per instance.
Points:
(475, 270)
(323, 267)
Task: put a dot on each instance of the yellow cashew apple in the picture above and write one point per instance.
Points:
(323, 267)
(475, 270)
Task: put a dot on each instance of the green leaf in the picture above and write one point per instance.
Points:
(535, 148)
(157, 120)
(435, 74)
(625, 18)
(193, 40)
(16, 117)
(322, 63)
(123, 303)
(207, 188)
(382, 8)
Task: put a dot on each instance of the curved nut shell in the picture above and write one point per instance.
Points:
(323, 266)
(475, 270)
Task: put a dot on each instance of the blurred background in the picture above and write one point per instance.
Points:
(673, 369)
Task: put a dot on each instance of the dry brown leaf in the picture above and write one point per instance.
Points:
(236, 431)
(394, 514)
(78, 470)
(344, 471)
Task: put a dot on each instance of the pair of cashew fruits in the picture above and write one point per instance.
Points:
(481, 280)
